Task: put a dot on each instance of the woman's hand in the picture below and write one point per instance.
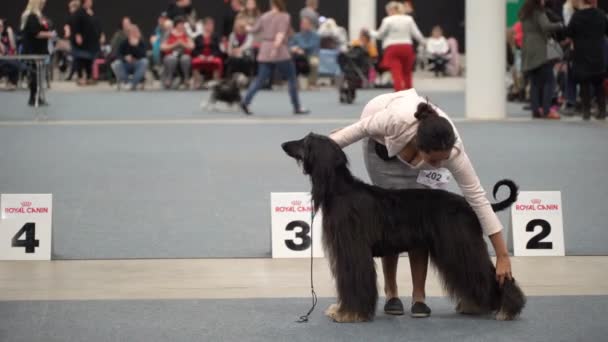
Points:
(503, 263)
(503, 269)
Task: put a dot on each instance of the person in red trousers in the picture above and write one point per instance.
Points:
(396, 32)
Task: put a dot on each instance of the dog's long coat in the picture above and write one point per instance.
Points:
(361, 221)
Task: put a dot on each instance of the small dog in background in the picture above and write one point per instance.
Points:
(226, 91)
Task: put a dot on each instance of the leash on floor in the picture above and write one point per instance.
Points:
(304, 318)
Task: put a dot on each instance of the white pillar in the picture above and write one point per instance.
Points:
(486, 59)
(361, 14)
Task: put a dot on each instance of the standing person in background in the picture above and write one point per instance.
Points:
(537, 29)
(587, 29)
(131, 59)
(274, 28)
(251, 13)
(10, 69)
(182, 9)
(396, 33)
(36, 35)
(310, 12)
(305, 46)
(177, 49)
(236, 6)
(87, 39)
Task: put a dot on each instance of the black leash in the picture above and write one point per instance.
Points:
(304, 318)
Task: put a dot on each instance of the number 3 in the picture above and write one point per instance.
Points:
(303, 234)
(536, 242)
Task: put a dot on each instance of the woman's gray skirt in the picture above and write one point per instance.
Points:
(388, 174)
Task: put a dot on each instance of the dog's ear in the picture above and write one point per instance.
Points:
(340, 157)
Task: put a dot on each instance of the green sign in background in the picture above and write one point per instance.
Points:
(512, 9)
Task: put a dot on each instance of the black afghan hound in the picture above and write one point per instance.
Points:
(361, 221)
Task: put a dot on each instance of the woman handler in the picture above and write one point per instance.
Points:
(409, 143)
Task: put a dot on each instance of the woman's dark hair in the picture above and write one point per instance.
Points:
(528, 8)
(435, 133)
(279, 4)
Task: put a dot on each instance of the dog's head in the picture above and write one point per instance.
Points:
(316, 152)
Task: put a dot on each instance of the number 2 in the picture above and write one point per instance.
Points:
(536, 242)
(30, 243)
(303, 234)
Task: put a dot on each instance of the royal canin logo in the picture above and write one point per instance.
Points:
(296, 206)
(26, 208)
(536, 205)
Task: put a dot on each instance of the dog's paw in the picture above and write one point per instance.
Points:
(503, 316)
(464, 308)
(332, 311)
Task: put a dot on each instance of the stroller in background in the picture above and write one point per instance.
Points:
(354, 64)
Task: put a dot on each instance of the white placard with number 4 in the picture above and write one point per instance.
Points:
(291, 231)
(25, 226)
(537, 224)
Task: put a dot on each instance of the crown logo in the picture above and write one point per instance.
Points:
(536, 201)
(26, 204)
(296, 202)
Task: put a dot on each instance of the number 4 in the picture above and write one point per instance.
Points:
(30, 243)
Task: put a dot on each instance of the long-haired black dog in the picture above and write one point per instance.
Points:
(361, 221)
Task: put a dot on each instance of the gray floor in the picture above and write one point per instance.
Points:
(202, 189)
(180, 191)
(553, 319)
(185, 105)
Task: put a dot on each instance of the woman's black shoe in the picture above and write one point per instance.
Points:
(394, 306)
(420, 310)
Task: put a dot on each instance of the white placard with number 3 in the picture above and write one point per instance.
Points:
(291, 231)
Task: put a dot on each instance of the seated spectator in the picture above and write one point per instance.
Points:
(240, 50)
(366, 43)
(305, 46)
(120, 35)
(250, 13)
(177, 50)
(437, 48)
(131, 59)
(236, 6)
(161, 32)
(9, 69)
(333, 36)
(207, 53)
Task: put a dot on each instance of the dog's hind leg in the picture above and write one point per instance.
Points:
(355, 274)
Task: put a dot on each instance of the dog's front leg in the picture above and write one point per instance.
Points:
(355, 275)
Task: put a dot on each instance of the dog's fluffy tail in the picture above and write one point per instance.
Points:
(512, 195)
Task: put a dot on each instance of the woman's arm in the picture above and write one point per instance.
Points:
(382, 31)
(415, 31)
(546, 25)
(466, 177)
